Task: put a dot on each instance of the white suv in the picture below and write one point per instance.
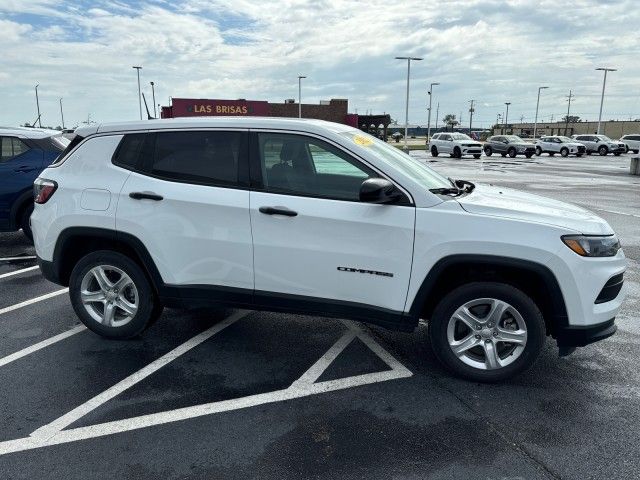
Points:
(601, 144)
(455, 144)
(319, 218)
(631, 142)
(565, 146)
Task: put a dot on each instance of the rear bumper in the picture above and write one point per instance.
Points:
(579, 336)
(49, 271)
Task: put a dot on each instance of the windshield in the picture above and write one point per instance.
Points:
(460, 136)
(513, 138)
(398, 160)
(604, 138)
(566, 140)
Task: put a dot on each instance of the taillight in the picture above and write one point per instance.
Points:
(43, 190)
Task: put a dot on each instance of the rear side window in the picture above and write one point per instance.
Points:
(207, 157)
(128, 151)
(11, 147)
(65, 153)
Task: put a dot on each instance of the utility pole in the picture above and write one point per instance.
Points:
(61, 113)
(604, 83)
(437, 113)
(506, 117)
(470, 115)
(429, 118)
(139, 95)
(38, 106)
(521, 118)
(566, 123)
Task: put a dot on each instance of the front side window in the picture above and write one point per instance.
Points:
(207, 157)
(308, 166)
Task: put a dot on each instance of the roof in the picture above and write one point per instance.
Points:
(305, 124)
(26, 132)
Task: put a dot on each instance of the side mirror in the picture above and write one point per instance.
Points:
(379, 190)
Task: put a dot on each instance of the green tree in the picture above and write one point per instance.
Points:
(450, 120)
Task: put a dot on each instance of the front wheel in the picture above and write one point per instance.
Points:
(512, 153)
(538, 151)
(112, 296)
(487, 151)
(602, 151)
(457, 153)
(487, 331)
(434, 151)
(564, 152)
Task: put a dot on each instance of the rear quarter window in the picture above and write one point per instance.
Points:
(127, 155)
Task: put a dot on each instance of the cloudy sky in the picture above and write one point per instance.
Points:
(490, 51)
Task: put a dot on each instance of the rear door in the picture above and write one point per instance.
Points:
(446, 143)
(313, 238)
(187, 201)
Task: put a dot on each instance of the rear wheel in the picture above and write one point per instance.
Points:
(564, 151)
(488, 151)
(538, 151)
(512, 152)
(487, 331)
(434, 151)
(112, 295)
(603, 150)
(25, 225)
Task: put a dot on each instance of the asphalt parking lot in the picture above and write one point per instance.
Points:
(237, 394)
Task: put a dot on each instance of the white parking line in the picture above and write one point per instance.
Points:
(52, 434)
(40, 345)
(32, 301)
(18, 272)
(11, 259)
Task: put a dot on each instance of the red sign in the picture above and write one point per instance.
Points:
(193, 107)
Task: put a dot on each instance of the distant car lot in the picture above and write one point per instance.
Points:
(574, 418)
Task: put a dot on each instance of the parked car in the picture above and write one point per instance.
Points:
(296, 216)
(24, 153)
(455, 144)
(511, 145)
(601, 144)
(631, 142)
(565, 146)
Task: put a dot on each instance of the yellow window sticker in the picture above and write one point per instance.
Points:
(362, 141)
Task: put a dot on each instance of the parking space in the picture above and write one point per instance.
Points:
(238, 394)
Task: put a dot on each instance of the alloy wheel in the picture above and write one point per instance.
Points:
(109, 296)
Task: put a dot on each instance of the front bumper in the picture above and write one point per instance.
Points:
(578, 336)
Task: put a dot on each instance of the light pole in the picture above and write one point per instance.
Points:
(61, 113)
(437, 113)
(506, 115)
(470, 116)
(429, 118)
(604, 83)
(535, 123)
(300, 77)
(139, 95)
(566, 120)
(153, 93)
(38, 106)
(406, 114)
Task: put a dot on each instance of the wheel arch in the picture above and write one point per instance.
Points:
(18, 206)
(534, 279)
(75, 242)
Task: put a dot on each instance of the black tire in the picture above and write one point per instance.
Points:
(564, 151)
(528, 155)
(603, 150)
(149, 308)
(512, 153)
(636, 151)
(488, 151)
(538, 151)
(434, 151)
(578, 154)
(503, 154)
(476, 156)
(626, 149)
(551, 154)
(457, 153)
(617, 154)
(24, 222)
(479, 290)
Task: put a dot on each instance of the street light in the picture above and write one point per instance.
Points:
(429, 118)
(604, 82)
(153, 93)
(300, 77)
(506, 116)
(38, 106)
(61, 113)
(139, 95)
(406, 116)
(535, 123)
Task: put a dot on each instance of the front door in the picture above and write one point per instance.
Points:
(313, 239)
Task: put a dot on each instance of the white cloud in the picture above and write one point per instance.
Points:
(489, 50)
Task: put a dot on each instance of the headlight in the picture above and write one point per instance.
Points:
(593, 246)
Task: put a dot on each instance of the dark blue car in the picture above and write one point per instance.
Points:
(24, 153)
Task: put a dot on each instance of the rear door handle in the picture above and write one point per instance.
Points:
(146, 196)
(278, 211)
(24, 169)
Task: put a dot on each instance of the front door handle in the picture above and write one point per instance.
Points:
(278, 211)
(145, 196)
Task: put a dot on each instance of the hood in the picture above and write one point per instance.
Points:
(509, 203)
